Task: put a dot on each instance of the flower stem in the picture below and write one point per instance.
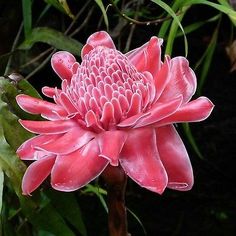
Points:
(116, 181)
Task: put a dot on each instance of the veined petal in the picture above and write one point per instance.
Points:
(110, 145)
(74, 139)
(62, 63)
(140, 160)
(182, 81)
(75, 170)
(48, 127)
(160, 111)
(100, 38)
(194, 111)
(36, 173)
(147, 57)
(174, 158)
(39, 106)
(27, 149)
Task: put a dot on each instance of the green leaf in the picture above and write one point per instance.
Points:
(177, 20)
(52, 37)
(101, 6)
(166, 24)
(9, 91)
(1, 190)
(26, 88)
(27, 16)
(223, 7)
(206, 60)
(68, 207)
(48, 219)
(99, 193)
(138, 220)
(14, 133)
(196, 25)
(62, 6)
(12, 166)
(189, 135)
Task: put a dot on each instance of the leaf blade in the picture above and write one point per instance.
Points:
(52, 37)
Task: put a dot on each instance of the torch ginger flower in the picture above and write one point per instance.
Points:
(113, 109)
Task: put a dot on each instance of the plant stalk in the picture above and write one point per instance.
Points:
(116, 181)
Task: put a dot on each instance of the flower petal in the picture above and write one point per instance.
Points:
(48, 127)
(147, 57)
(182, 81)
(50, 92)
(160, 111)
(27, 149)
(110, 145)
(67, 104)
(140, 160)
(108, 117)
(131, 121)
(62, 63)
(162, 78)
(100, 38)
(194, 111)
(36, 173)
(92, 121)
(75, 170)
(38, 106)
(174, 158)
(69, 142)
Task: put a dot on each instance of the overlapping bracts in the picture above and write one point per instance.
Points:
(113, 109)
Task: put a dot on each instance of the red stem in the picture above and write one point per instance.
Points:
(116, 181)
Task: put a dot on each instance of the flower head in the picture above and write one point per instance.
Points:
(113, 109)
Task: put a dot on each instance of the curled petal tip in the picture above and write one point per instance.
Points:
(62, 63)
(100, 38)
(180, 186)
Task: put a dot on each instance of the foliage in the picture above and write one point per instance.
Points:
(62, 25)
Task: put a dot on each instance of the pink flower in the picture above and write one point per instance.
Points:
(113, 109)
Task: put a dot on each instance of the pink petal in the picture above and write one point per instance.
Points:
(160, 111)
(49, 92)
(162, 78)
(135, 105)
(48, 127)
(147, 57)
(174, 158)
(100, 38)
(36, 173)
(107, 115)
(182, 81)
(27, 150)
(92, 121)
(67, 104)
(62, 63)
(75, 170)
(194, 111)
(38, 106)
(69, 142)
(110, 145)
(140, 160)
(131, 121)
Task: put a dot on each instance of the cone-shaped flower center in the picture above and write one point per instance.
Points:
(108, 86)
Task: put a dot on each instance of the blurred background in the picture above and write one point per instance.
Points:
(203, 31)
